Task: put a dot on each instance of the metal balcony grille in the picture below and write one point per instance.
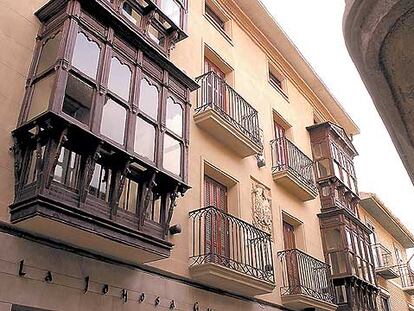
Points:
(286, 156)
(407, 275)
(216, 94)
(225, 240)
(305, 275)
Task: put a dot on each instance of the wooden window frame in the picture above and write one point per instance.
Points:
(139, 68)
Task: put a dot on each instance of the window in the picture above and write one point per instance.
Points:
(119, 79)
(113, 121)
(144, 139)
(172, 155)
(217, 20)
(48, 56)
(174, 118)
(129, 198)
(86, 55)
(42, 91)
(101, 182)
(148, 99)
(67, 169)
(276, 80)
(78, 99)
(155, 212)
(172, 10)
(131, 13)
(156, 35)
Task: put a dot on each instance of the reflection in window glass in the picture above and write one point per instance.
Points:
(172, 155)
(154, 211)
(119, 79)
(100, 183)
(78, 99)
(333, 239)
(129, 197)
(49, 53)
(41, 96)
(156, 36)
(31, 174)
(144, 139)
(86, 55)
(172, 10)
(67, 169)
(174, 118)
(113, 121)
(129, 12)
(148, 99)
(323, 168)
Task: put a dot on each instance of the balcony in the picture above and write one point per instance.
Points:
(306, 282)
(78, 190)
(230, 253)
(407, 279)
(225, 115)
(384, 264)
(292, 169)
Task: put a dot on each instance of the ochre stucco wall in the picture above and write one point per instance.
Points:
(18, 28)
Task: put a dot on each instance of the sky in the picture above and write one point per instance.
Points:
(315, 27)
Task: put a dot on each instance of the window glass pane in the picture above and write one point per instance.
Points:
(32, 171)
(113, 121)
(49, 53)
(154, 212)
(144, 139)
(129, 197)
(156, 36)
(67, 169)
(323, 168)
(333, 239)
(41, 96)
(172, 10)
(172, 155)
(86, 55)
(133, 15)
(100, 183)
(119, 79)
(78, 99)
(174, 118)
(148, 99)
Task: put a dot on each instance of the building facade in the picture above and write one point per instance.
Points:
(389, 239)
(172, 154)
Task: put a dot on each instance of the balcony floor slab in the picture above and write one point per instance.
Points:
(217, 275)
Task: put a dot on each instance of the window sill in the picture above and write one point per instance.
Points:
(219, 29)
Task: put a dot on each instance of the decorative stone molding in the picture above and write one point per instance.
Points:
(262, 208)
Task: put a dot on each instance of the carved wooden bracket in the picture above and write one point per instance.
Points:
(55, 150)
(119, 187)
(173, 204)
(88, 172)
(146, 197)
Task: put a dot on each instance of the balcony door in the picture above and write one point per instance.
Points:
(217, 226)
(292, 270)
(281, 146)
(215, 87)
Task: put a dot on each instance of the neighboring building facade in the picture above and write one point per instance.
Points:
(390, 239)
(162, 157)
(378, 35)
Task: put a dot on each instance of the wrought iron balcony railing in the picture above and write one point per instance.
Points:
(382, 256)
(287, 156)
(384, 263)
(305, 275)
(222, 239)
(407, 276)
(216, 94)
